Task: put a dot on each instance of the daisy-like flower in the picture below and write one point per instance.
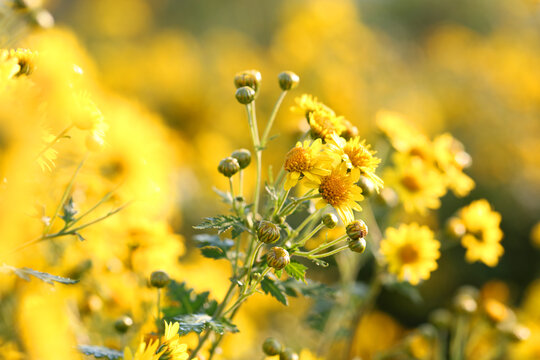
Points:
(356, 154)
(418, 184)
(167, 348)
(484, 235)
(451, 159)
(308, 159)
(324, 124)
(411, 252)
(339, 189)
(306, 104)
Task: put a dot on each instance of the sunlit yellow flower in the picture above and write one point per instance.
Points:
(306, 104)
(535, 235)
(324, 124)
(418, 184)
(9, 66)
(420, 347)
(484, 235)
(411, 252)
(356, 154)
(85, 113)
(168, 347)
(451, 159)
(25, 59)
(339, 190)
(308, 159)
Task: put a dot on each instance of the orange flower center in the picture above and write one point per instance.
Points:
(359, 156)
(408, 254)
(334, 189)
(298, 159)
(411, 182)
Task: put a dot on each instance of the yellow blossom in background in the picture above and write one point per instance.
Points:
(167, 347)
(484, 235)
(339, 190)
(375, 332)
(535, 235)
(308, 159)
(451, 159)
(307, 104)
(411, 252)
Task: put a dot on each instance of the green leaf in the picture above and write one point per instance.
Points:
(310, 288)
(69, 211)
(297, 271)
(100, 352)
(201, 322)
(25, 274)
(184, 301)
(223, 223)
(212, 246)
(275, 289)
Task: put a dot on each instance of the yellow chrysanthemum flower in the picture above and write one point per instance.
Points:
(308, 159)
(411, 252)
(356, 154)
(26, 60)
(84, 113)
(324, 124)
(535, 235)
(484, 235)
(339, 189)
(306, 104)
(9, 66)
(418, 184)
(451, 159)
(168, 347)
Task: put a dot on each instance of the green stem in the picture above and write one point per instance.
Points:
(456, 345)
(158, 304)
(241, 183)
(250, 265)
(322, 247)
(280, 203)
(272, 118)
(295, 202)
(307, 221)
(252, 120)
(232, 195)
(335, 251)
(302, 241)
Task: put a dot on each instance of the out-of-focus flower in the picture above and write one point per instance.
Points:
(339, 189)
(168, 347)
(375, 332)
(484, 235)
(535, 235)
(307, 104)
(451, 159)
(411, 252)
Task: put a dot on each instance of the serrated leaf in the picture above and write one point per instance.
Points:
(184, 300)
(212, 246)
(310, 289)
(25, 274)
(297, 271)
(100, 352)
(223, 223)
(201, 322)
(273, 288)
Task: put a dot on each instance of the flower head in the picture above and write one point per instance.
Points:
(356, 154)
(339, 189)
(484, 235)
(166, 348)
(451, 159)
(411, 252)
(307, 159)
(323, 124)
(306, 104)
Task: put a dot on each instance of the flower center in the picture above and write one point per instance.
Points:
(411, 182)
(334, 189)
(408, 254)
(298, 159)
(358, 156)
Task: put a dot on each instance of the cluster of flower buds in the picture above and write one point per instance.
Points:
(272, 347)
(239, 160)
(248, 83)
(356, 232)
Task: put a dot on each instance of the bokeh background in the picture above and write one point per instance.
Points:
(471, 68)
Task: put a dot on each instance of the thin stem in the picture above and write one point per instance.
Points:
(232, 195)
(308, 220)
(250, 264)
(456, 345)
(295, 202)
(310, 235)
(272, 117)
(322, 247)
(241, 183)
(281, 202)
(252, 120)
(55, 140)
(158, 304)
(335, 251)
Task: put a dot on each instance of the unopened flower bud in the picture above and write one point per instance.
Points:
(367, 186)
(267, 232)
(245, 95)
(277, 258)
(288, 80)
(330, 220)
(288, 354)
(465, 303)
(357, 230)
(272, 346)
(123, 324)
(358, 245)
(350, 131)
(250, 78)
(159, 279)
(455, 227)
(243, 156)
(228, 166)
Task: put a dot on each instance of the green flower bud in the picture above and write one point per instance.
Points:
(357, 230)
(250, 78)
(267, 232)
(277, 258)
(229, 166)
(243, 156)
(330, 220)
(288, 80)
(123, 324)
(288, 354)
(367, 186)
(358, 245)
(159, 279)
(245, 95)
(272, 346)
